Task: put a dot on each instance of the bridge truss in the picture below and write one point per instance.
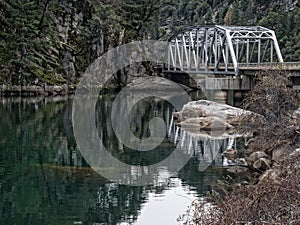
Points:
(222, 49)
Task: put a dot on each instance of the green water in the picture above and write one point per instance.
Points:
(45, 180)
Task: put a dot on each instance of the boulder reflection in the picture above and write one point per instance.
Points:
(206, 146)
(44, 179)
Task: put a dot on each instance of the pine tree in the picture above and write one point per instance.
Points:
(28, 52)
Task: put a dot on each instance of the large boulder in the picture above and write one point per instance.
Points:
(262, 164)
(295, 153)
(211, 115)
(256, 156)
(272, 175)
(204, 108)
(230, 153)
(281, 151)
(204, 123)
(237, 169)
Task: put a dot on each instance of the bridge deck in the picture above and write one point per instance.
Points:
(229, 70)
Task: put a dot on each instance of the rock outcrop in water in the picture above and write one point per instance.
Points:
(204, 115)
(220, 121)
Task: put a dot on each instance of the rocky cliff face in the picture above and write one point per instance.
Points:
(69, 22)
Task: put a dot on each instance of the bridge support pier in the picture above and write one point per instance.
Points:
(229, 83)
(225, 89)
(230, 97)
(220, 96)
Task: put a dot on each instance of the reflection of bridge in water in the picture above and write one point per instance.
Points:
(205, 146)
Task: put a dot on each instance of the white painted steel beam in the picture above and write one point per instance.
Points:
(217, 49)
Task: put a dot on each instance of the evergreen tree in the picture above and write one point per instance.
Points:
(139, 18)
(236, 14)
(37, 37)
(27, 47)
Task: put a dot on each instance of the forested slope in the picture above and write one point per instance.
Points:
(53, 41)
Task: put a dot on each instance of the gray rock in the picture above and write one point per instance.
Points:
(240, 161)
(68, 63)
(230, 154)
(270, 175)
(205, 108)
(149, 83)
(281, 151)
(295, 153)
(216, 119)
(237, 169)
(205, 123)
(297, 113)
(262, 164)
(256, 156)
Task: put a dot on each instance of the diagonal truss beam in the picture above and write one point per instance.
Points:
(222, 49)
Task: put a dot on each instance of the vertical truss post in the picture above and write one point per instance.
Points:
(271, 52)
(202, 53)
(247, 52)
(259, 51)
(193, 48)
(169, 56)
(220, 49)
(190, 51)
(237, 50)
(226, 57)
(184, 53)
(197, 50)
(175, 56)
(205, 50)
(181, 52)
(215, 38)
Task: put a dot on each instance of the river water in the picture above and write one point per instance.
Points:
(44, 179)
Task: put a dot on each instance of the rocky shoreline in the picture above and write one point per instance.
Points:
(208, 116)
(36, 90)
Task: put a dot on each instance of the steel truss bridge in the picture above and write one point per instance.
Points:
(225, 50)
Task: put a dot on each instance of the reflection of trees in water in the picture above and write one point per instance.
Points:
(85, 196)
(43, 177)
(139, 118)
(45, 180)
(201, 181)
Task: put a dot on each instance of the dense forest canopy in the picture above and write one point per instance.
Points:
(53, 41)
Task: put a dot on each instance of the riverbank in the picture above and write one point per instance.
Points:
(36, 90)
(46, 90)
(271, 195)
(271, 192)
(272, 201)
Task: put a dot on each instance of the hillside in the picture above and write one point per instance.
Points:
(53, 42)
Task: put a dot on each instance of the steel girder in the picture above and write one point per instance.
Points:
(222, 49)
